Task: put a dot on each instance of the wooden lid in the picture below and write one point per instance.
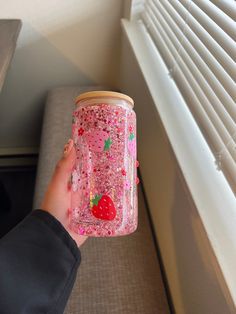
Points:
(103, 94)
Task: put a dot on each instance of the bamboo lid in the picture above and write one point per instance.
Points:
(104, 94)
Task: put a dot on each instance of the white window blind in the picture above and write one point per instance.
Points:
(196, 39)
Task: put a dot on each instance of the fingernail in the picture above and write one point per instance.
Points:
(68, 147)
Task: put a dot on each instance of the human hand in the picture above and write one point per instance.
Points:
(58, 196)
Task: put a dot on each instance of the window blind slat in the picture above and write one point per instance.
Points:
(195, 40)
(218, 16)
(225, 80)
(208, 113)
(216, 50)
(218, 95)
(227, 6)
(197, 68)
(229, 166)
(216, 32)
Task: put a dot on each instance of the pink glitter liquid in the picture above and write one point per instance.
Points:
(103, 181)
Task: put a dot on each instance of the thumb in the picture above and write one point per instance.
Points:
(67, 148)
(66, 163)
(57, 197)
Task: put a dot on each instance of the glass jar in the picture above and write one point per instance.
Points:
(104, 177)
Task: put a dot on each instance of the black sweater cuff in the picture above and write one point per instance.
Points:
(59, 230)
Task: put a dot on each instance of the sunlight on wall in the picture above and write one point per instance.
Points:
(61, 43)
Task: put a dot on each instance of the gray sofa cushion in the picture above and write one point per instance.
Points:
(117, 275)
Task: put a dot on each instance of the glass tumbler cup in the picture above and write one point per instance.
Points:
(104, 177)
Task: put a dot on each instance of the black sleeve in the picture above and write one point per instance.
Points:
(38, 265)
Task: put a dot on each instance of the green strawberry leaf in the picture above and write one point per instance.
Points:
(96, 199)
(107, 145)
(131, 137)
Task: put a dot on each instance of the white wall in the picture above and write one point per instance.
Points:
(195, 280)
(61, 43)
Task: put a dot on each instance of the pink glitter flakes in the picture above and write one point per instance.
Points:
(105, 170)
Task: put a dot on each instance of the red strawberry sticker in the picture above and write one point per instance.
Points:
(103, 207)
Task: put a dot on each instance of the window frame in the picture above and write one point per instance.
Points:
(217, 211)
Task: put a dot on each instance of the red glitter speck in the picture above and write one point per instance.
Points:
(80, 131)
(123, 172)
